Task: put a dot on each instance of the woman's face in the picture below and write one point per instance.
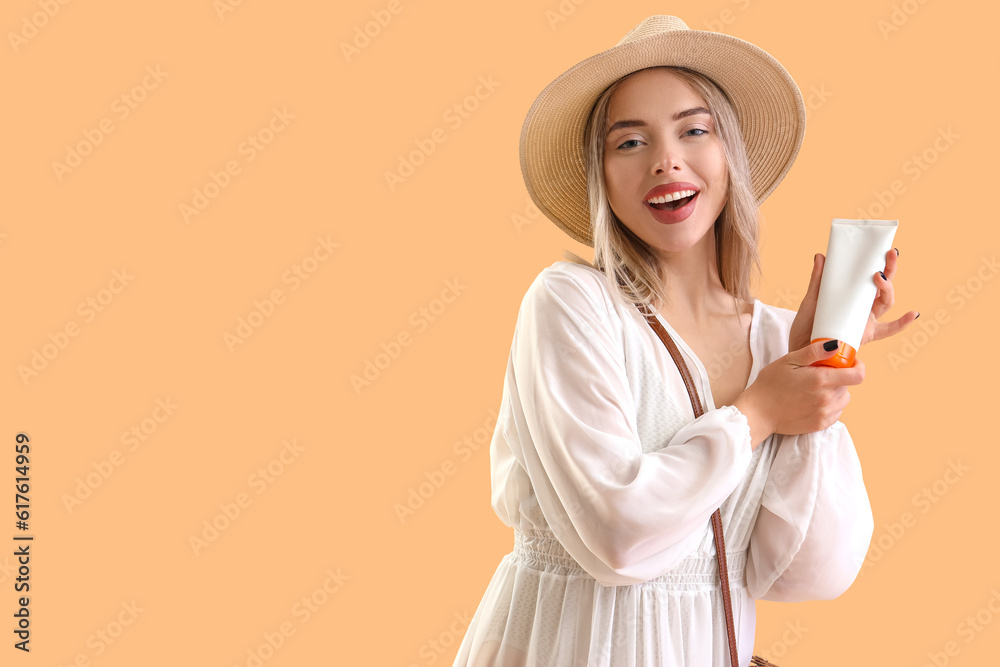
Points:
(660, 133)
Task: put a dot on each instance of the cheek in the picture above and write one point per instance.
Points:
(720, 168)
(611, 183)
(616, 179)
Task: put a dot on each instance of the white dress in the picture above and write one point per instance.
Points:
(609, 482)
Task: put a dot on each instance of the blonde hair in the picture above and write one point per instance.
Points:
(633, 270)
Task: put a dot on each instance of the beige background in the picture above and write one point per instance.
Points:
(438, 264)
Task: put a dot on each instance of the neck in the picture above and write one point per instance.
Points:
(693, 285)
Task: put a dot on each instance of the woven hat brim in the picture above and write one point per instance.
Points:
(767, 102)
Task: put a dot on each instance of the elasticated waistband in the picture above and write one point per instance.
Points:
(540, 549)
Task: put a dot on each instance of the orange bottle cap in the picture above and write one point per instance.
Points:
(844, 358)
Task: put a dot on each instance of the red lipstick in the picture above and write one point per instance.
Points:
(670, 216)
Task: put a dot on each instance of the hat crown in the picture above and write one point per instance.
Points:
(653, 25)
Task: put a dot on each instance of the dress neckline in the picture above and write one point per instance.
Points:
(706, 386)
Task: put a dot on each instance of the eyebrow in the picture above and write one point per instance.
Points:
(641, 123)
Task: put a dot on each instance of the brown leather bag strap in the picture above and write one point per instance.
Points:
(720, 553)
(720, 545)
(679, 360)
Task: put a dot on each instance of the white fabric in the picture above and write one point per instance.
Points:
(608, 481)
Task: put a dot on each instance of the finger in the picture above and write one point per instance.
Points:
(856, 374)
(807, 309)
(884, 298)
(842, 402)
(808, 306)
(810, 354)
(886, 329)
(891, 258)
(845, 377)
(817, 274)
(886, 295)
(841, 398)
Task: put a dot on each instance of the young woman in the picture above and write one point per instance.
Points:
(658, 153)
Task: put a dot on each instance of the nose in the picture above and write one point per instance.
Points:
(668, 159)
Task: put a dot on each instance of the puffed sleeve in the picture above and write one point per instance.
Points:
(815, 521)
(624, 515)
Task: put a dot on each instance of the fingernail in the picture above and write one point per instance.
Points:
(897, 251)
(883, 275)
(918, 315)
(831, 345)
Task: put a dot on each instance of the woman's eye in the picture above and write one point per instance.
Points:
(632, 143)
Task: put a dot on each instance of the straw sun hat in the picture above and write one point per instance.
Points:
(767, 102)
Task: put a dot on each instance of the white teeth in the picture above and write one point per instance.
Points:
(671, 197)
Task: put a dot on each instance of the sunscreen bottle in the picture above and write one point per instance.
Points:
(847, 291)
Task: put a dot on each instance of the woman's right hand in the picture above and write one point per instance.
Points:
(791, 396)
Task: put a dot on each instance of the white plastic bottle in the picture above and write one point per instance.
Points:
(847, 291)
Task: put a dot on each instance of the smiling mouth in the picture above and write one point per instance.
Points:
(672, 205)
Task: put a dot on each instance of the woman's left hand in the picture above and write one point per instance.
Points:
(801, 330)
(876, 330)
